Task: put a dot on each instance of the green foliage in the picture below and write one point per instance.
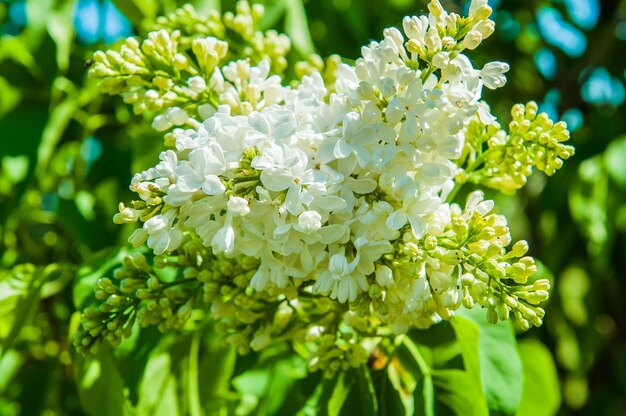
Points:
(57, 240)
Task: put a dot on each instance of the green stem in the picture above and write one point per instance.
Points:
(428, 73)
(195, 408)
(179, 282)
(429, 389)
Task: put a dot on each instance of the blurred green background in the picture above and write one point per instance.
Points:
(67, 154)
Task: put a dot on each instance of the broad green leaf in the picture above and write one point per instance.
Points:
(366, 392)
(388, 397)
(253, 382)
(460, 391)
(137, 10)
(283, 378)
(340, 393)
(100, 386)
(334, 393)
(361, 399)
(422, 356)
(302, 396)
(193, 390)
(133, 354)
(297, 27)
(215, 369)
(19, 296)
(499, 362)
(157, 391)
(404, 383)
(541, 395)
(464, 388)
(467, 334)
(10, 364)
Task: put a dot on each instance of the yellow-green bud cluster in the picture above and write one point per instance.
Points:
(136, 294)
(175, 71)
(533, 140)
(315, 64)
(337, 353)
(239, 29)
(464, 265)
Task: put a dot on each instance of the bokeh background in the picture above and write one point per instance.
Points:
(67, 154)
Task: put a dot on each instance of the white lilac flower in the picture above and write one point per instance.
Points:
(319, 182)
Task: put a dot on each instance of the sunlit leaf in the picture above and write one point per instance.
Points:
(216, 366)
(19, 297)
(297, 27)
(541, 394)
(158, 394)
(498, 359)
(100, 386)
(458, 390)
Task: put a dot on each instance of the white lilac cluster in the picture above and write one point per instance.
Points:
(324, 188)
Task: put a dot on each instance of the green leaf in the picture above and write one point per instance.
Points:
(541, 395)
(137, 10)
(158, 388)
(334, 393)
(302, 396)
(459, 390)
(467, 333)
(253, 382)
(499, 362)
(366, 392)
(100, 386)
(10, 365)
(283, 377)
(132, 356)
(297, 27)
(340, 393)
(216, 367)
(423, 358)
(388, 397)
(19, 298)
